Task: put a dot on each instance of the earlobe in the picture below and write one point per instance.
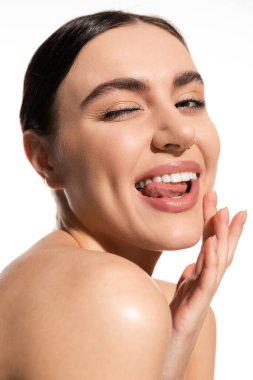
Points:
(37, 154)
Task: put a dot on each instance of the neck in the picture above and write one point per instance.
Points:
(68, 222)
(145, 259)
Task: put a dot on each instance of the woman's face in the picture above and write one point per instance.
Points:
(149, 122)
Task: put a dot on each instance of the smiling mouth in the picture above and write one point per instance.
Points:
(174, 185)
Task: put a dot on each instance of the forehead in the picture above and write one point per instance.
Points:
(137, 50)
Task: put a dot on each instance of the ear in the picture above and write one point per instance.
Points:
(37, 153)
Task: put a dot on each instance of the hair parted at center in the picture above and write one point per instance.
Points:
(52, 61)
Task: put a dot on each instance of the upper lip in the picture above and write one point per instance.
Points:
(170, 168)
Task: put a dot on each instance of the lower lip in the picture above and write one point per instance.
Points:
(186, 202)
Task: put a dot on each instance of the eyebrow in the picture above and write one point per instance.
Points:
(187, 77)
(138, 86)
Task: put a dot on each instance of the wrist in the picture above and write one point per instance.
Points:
(178, 355)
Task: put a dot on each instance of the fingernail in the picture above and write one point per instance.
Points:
(244, 218)
(214, 242)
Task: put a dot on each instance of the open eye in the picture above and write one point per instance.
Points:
(118, 113)
(190, 104)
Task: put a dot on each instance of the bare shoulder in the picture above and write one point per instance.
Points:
(75, 314)
(168, 289)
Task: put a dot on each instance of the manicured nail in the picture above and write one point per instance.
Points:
(214, 242)
(244, 216)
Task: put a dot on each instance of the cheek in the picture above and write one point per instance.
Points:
(116, 147)
(101, 152)
(123, 153)
(209, 145)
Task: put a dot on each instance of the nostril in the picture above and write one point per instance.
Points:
(172, 146)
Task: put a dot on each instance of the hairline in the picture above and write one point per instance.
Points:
(48, 126)
(53, 111)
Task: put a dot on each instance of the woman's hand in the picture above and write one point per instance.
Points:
(199, 281)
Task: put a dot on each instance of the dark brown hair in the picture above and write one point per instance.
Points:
(54, 58)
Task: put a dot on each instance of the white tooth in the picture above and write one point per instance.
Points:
(175, 177)
(157, 179)
(185, 176)
(193, 176)
(147, 181)
(142, 184)
(166, 178)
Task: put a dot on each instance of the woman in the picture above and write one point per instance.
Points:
(114, 121)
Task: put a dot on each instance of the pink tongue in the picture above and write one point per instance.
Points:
(160, 189)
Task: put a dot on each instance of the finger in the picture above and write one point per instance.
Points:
(221, 230)
(209, 210)
(207, 283)
(200, 262)
(208, 280)
(235, 230)
(189, 271)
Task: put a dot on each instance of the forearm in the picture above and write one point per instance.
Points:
(192, 357)
(178, 357)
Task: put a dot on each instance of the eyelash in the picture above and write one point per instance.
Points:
(185, 103)
(113, 114)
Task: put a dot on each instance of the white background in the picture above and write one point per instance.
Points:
(219, 34)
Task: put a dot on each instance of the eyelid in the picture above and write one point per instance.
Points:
(118, 113)
(200, 102)
(121, 104)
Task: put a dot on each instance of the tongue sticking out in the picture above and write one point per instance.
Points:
(160, 189)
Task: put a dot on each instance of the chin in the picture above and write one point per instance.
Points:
(183, 242)
(180, 236)
(186, 236)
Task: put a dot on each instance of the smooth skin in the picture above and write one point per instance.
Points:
(81, 303)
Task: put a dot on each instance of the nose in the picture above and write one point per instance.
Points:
(173, 132)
